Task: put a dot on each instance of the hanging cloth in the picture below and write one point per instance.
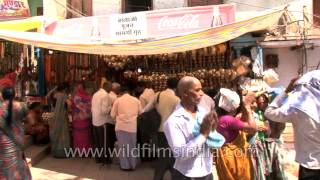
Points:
(257, 57)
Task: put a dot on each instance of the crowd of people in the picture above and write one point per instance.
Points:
(236, 131)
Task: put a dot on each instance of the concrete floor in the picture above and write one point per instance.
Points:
(85, 168)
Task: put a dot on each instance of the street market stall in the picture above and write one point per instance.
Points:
(149, 46)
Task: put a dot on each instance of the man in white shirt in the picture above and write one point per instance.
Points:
(111, 134)
(302, 109)
(193, 156)
(114, 91)
(101, 107)
(167, 101)
(110, 125)
(146, 95)
(165, 106)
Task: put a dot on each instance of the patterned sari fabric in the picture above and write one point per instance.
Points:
(259, 155)
(267, 159)
(12, 163)
(260, 159)
(275, 154)
(233, 161)
(59, 133)
(81, 120)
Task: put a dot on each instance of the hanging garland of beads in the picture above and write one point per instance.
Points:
(211, 65)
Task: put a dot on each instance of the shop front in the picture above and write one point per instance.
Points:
(144, 46)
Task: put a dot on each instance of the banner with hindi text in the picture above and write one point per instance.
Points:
(144, 25)
(14, 9)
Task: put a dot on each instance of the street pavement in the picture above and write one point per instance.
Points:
(85, 168)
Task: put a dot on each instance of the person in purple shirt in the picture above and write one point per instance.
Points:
(229, 127)
(233, 160)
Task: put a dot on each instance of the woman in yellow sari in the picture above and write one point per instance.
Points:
(233, 158)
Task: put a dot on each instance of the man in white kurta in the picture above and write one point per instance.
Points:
(302, 109)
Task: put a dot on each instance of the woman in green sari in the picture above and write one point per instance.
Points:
(259, 157)
(59, 131)
(273, 144)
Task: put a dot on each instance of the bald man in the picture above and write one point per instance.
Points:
(193, 157)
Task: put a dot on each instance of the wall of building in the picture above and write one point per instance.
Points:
(54, 9)
(250, 6)
(165, 4)
(103, 7)
(290, 62)
(313, 57)
(33, 5)
(257, 5)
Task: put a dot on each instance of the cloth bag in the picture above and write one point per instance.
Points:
(149, 121)
(229, 100)
(214, 140)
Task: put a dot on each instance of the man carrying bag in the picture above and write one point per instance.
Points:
(165, 103)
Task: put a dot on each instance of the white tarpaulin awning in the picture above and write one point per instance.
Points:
(173, 44)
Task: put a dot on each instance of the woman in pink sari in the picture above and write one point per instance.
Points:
(81, 118)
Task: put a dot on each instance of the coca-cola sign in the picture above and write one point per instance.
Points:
(188, 21)
(172, 22)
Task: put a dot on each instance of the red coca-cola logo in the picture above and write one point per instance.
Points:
(187, 21)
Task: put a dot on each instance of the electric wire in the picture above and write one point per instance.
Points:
(70, 8)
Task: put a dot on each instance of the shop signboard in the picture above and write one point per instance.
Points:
(128, 26)
(14, 9)
(145, 25)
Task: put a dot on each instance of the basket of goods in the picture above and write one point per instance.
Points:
(241, 65)
(270, 77)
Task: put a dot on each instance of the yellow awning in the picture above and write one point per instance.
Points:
(23, 24)
(175, 44)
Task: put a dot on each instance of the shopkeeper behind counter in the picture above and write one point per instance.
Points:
(35, 125)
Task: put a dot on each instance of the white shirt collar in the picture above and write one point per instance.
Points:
(180, 111)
